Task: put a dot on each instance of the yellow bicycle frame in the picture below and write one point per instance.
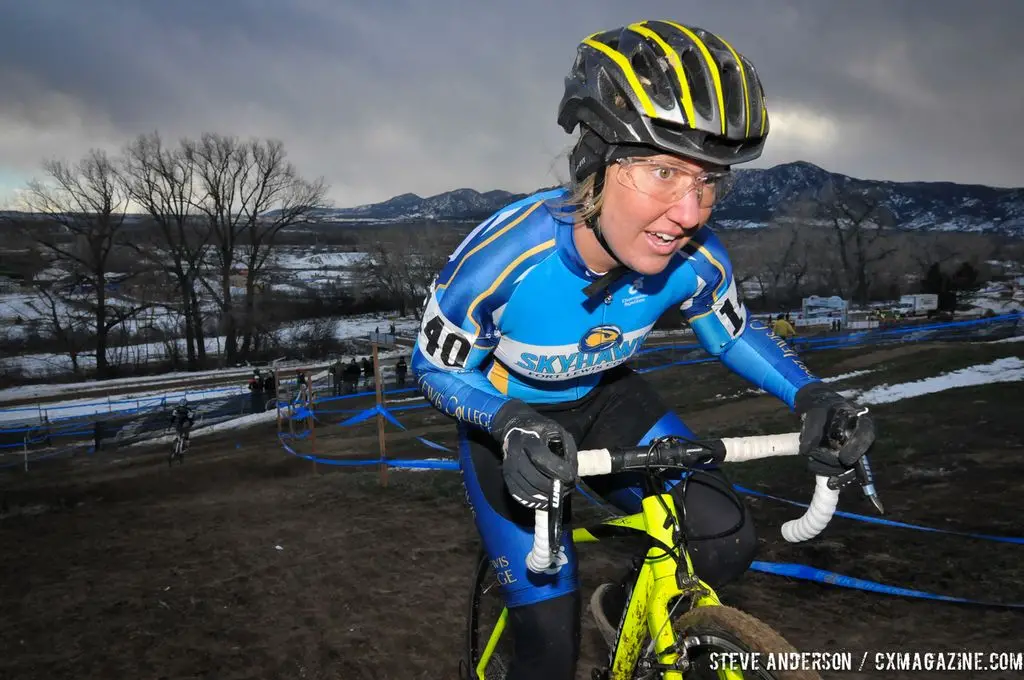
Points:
(655, 588)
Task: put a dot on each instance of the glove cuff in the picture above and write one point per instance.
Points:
(511, 412)
(811, 395)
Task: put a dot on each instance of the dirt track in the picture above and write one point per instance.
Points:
(116, 566)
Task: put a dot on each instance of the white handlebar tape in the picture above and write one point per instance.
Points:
(740, 449)
(819, 513)
(594, 462)
(539, 559)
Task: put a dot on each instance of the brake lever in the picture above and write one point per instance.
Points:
(555, 523)
(867, 483)
(861, 471)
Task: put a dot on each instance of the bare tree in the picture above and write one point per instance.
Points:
(402, 268)
(248, 192)
(782, 262)
(88, 202)
(858, 221)
(162, 182)
(64, 323)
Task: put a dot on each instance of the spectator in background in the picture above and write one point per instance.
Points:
(783, 328)
(337, 369)
(401, 368)
(367, 371)
(351, 376)
(256, 392)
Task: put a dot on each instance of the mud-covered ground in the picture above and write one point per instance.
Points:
(247, 562)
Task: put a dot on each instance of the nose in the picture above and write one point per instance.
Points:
(686, 212)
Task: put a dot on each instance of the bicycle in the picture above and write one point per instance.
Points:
(181, 444)
(673, 625)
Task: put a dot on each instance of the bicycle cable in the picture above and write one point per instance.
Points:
(670, 440)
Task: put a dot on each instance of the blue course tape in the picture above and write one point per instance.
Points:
(887, 522)
(440, 464)
(327, 400)
(791, 570)
(433, 445)
(806, 573)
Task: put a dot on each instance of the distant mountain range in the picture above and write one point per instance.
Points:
(752, 202)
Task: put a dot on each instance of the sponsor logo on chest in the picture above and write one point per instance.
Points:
(598, 349)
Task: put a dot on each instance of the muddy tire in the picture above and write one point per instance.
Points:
(707, 630)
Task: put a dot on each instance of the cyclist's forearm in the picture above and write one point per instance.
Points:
(766, 361)
(466, 396)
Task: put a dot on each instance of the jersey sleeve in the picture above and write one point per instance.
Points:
(720, 321)
(457, 332)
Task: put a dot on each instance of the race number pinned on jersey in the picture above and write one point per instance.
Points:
(443, 343)
(730, 311)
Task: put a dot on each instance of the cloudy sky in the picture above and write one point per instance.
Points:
(384, 97)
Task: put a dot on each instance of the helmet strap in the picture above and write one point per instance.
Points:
(594, 224)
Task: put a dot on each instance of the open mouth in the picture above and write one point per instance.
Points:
(662, 242)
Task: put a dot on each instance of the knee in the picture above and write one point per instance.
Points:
(723, 538)
(547, 636)
(723, 559)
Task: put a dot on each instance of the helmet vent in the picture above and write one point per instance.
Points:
(652, 78)
(733, 86)
(694, 64)
(610, 92)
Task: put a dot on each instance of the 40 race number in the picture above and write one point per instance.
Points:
(444, 343)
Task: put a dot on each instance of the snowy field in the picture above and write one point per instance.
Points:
(347, 328)
(47, 391)
(299, 269)
(301, 258)
(134, 401)
(19, 312)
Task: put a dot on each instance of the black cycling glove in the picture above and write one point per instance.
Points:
(835, 432)
(537, 450)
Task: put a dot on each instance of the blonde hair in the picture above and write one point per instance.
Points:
(579, 204)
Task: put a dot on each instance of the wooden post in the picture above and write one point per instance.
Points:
(380, 417)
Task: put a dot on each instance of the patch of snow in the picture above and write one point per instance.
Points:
(847, 376)
(41, 391)
(1007, 369)
(1016, 338)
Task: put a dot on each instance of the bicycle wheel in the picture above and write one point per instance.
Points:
(485, 607)
(176, 453)
(707, 632)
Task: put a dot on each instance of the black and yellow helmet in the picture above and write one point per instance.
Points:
(675, 89)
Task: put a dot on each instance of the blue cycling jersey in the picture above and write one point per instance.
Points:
(507, 317)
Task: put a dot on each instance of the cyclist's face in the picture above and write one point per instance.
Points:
(636, 224)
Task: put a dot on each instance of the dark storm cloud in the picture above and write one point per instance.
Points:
(386, 97)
